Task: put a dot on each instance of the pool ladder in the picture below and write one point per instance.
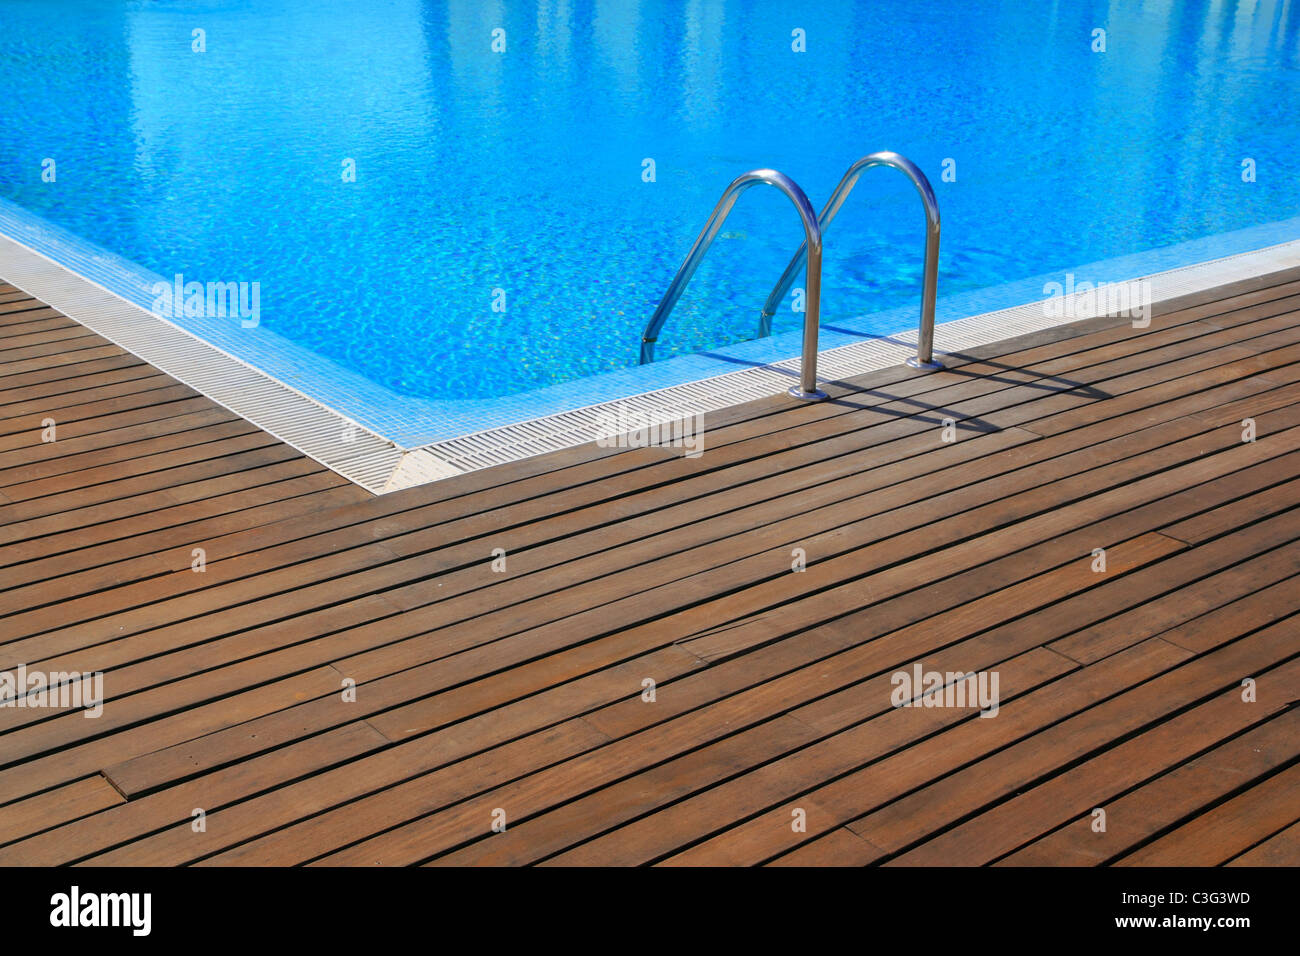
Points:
(809, 258)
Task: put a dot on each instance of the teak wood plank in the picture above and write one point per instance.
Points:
(1041, 739)
(91, 465)
(1281, 849)
(82, 798)
(522, 690)
(73, 841)
(1141, 814)
(88, 522)
(176, 527)
(1030, 814)
(558, 702)
(118, 361)
(1222, 833)
(332, 823)
(375, 697)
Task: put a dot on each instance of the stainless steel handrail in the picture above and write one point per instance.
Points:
(930, 283)
(810, 254)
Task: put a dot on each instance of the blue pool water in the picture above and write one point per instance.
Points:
(522, 170)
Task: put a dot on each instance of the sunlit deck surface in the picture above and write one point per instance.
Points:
(484, 696)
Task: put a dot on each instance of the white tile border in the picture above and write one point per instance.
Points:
(380, 465)
(334, 440)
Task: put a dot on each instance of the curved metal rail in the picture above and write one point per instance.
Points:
(929, 287)
(810, 256)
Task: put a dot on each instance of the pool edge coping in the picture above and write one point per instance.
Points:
(381, 465)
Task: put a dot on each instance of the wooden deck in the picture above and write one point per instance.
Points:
(482, 694)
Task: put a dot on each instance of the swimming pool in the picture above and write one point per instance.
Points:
(502, 239)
